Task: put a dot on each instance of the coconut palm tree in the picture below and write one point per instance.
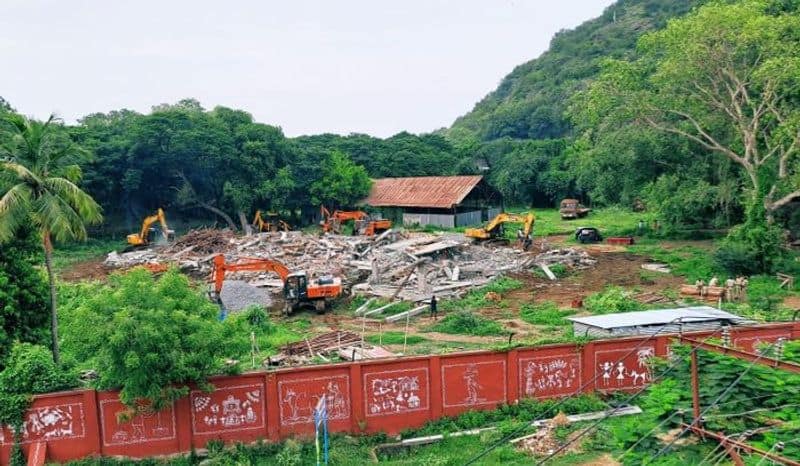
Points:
(38, 166)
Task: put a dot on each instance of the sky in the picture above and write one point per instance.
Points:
(310, 67)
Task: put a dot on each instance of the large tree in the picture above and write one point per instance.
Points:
(39, 165)
(725, 78)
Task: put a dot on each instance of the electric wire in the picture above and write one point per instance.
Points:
(522, 428)
(641, 439)
(714, 403)
(627, 401)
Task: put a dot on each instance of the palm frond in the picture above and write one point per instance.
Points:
(15, 206)
(21, 172)
(82, 203)
(55, 215)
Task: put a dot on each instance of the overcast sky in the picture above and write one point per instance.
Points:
(338, 66)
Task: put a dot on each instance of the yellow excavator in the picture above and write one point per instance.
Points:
(262, 226)
(494, 230)
(144, 237)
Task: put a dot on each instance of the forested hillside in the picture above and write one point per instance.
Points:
(530, 102)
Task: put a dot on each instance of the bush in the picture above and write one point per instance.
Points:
(612, 299)
(546, 313)
(468, 323)
(29, 370)
(737, 259)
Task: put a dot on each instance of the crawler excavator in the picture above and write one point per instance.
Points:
(145, 236)
(298, 289)
(273, 225)
(363, 223)
(494, 230)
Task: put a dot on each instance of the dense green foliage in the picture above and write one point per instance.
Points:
(468, 323)
(147, 337)
(23, 294)
(29, 370)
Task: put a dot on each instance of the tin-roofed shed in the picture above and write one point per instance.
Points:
(445, 201)
(687, 319)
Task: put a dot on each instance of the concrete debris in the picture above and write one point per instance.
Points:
(656, 267)
(237, 295)
(394, 265)
(570, 257)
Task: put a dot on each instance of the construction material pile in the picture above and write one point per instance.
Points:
(339, 343)
(407, 266)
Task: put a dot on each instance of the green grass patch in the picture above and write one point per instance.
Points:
(468, 323)
(65, 255)
(395, 338)
(612, 299)
(686, 261)
(477, 298)
(546, 313)
(559, 270)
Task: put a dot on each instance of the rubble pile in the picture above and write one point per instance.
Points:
(407, 266)
(575, 258)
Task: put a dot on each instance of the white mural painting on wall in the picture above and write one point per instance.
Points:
(400, 391)
(228, 409)
(465, 384)
(51, 423)
(550, 375)
(298, 398)
(627, 372)
(146, 426)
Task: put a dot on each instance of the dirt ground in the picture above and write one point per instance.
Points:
(93, 269)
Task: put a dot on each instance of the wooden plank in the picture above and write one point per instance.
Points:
(547, 271)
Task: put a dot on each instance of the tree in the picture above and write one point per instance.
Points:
(39, 163)
(149, 337)
(342, 183)
(725, 77)
(23, 293)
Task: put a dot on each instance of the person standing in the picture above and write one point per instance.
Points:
(434, 310)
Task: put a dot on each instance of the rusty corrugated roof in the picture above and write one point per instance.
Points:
(437, 192)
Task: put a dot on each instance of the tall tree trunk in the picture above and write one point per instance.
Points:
(245, 224)
(48, 262)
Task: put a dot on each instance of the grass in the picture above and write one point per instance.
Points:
(546, 313)
(467, 323)
(477, 297)
(610, 300)
(686, 261)
(394, 338)
(611, 221)
(68, 254)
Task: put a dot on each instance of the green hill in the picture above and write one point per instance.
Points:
(529, 103)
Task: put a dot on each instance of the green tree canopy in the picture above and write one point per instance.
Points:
(149, 337)
(724, 78)
(342, 183)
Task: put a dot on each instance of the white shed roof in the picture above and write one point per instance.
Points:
(658, 317)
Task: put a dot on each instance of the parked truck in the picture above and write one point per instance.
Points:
(572, 209)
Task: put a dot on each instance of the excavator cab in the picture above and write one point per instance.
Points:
(295, 289)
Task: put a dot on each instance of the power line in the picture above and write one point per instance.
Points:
(517, 431)
(627, 401)
(714, 403)
(641, 439)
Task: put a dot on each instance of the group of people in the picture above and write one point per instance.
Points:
(735, 288)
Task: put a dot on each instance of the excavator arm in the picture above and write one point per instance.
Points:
(492, 229)
(140, 239)
(248, 265)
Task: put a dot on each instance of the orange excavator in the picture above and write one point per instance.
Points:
(363, 223)
(298, 289)
(272, 225)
